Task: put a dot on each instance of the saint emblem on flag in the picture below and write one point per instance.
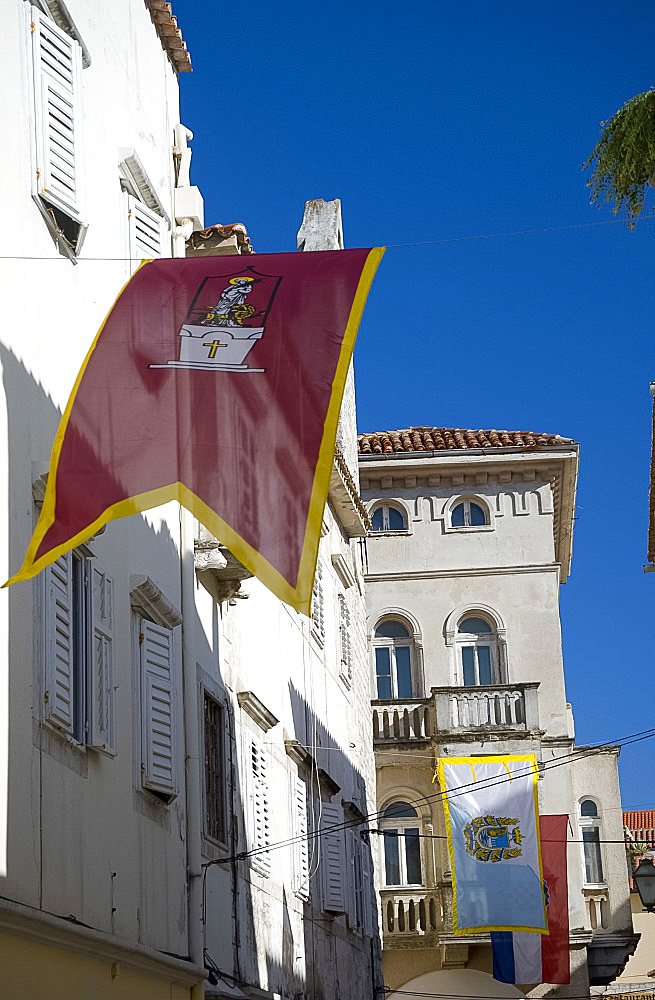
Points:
(227, 317)
(489, 838)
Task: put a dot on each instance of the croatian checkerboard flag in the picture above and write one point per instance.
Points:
(541, 958)
(492, 825)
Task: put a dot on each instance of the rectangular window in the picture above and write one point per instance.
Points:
(318, 606)
(300, 831)
(333, 858)
(391, 857)
(79, 667)
(145, 231)
(57, 136)
(592, 859)
(214, 770)
(403, 671)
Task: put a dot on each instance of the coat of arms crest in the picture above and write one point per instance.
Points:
(225, 320)
(493, 838)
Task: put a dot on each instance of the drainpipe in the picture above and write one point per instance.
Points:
(191, 732)
(191, 753)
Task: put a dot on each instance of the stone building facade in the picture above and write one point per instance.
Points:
(471, 542)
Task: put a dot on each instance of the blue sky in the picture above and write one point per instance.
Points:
(436, 121)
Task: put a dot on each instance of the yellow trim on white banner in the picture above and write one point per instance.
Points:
(471, 761)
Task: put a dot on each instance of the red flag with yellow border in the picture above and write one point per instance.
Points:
(216, 382)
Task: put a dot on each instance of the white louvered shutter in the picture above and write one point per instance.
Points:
(261, 819)
(158, 704)
(101, 703)
(57, 68)
(145, 229)
(318, 606)
(332, 859)
(60, 643)
(301, 850)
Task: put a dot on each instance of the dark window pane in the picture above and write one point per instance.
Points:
(391, 859)
(474, 626)
(392, 630)
(396, 520)
(477, 515)
(592, 861)
(484, 664)
(383, 672)
(403, 672)
(588, 808)
(376, 519)
(457, 516)
(397, 809)
(413, 857)
(468, 663)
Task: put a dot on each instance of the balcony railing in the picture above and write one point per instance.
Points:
(408, 913)
(498, 706)
(403, 720)
(457, 710)
(597, 905)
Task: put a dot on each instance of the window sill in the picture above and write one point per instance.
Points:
(468, 530)
(386, 534)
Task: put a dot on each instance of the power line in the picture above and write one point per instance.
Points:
(440, 795)
(389, 246)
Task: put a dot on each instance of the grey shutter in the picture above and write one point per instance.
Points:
(369, 899)
(60, 643)
(301, 849)
(332, 859)
(57, 67)
(158, 709)
(351, 879)
(145, 228)
(261, 821)
(101, 694)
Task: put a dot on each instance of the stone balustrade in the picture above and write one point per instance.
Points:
(497, 706)
(455, 710)
(597, 907)
(403, 720)
(410, 912)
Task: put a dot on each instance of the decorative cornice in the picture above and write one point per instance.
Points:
(257, 710)
(342, 569)
(328, 782)
(346, 499)
(299, 754)
(147, 598)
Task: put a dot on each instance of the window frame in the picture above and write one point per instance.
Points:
(391, 643)
(399, 826)
(91, 723)
(585, 824)
(468, 640)
(385, 506)
(467, 500)
(221, 789)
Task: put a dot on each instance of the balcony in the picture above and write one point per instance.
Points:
(502, 708)
(410, 917)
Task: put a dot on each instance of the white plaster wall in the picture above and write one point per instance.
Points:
(76, 817)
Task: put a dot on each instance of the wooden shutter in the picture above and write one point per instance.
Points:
(145, 228)
(60, 643)
(101, 693)
(351, 878)
(301, 850)
(318, 606)
(332, 859)
(260, 816)
(57, 67)
(158, 709)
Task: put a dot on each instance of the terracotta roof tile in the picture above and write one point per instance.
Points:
(451, 439)
(170, 35)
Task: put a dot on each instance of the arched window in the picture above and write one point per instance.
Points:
(477, 651)
(387, 517)
(590, 827)
(400, 827)
(392, 649)
(468, 514)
